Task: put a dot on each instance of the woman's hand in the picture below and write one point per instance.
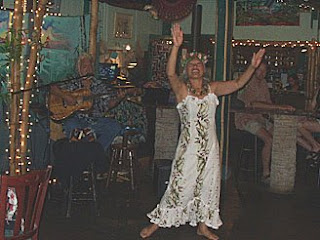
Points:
(257, 58)
(177, 35)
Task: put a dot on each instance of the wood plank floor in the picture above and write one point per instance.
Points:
(249, 211)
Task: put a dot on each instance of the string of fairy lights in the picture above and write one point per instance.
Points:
(29, 40)
(282, 44)
(34, 43)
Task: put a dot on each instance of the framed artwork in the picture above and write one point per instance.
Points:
(267, 12)
(123, 24)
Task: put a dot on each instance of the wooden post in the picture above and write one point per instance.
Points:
(38, 18)
(93, 28)
(15, 39)
(222, 73)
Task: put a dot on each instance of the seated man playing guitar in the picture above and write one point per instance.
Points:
(64, 103)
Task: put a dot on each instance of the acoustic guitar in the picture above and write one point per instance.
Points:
(60, 110)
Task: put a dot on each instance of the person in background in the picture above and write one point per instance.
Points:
(312, 124)
(105, 128)
(193, 191)
(293, 83)
(256, 95)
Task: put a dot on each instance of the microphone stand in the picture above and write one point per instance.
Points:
(52, 83)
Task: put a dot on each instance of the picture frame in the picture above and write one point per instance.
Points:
(123, 24)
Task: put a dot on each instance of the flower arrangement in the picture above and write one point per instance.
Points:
(187, 57)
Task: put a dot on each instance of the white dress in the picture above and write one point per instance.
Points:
(193, 192)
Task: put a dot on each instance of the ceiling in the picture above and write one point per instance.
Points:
(130, 4)
(139, 4)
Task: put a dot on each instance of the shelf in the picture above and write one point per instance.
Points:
(282, 62)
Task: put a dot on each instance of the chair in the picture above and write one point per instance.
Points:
(30, 190)
(313, 168)
(123, 160)
(75, 167)
(248, 156)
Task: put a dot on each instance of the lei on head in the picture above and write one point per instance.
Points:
(186, 58)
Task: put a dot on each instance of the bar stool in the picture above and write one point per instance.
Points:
(83, 191)
(75, 166)
(248, 156)
(313, 169)
(123, 165)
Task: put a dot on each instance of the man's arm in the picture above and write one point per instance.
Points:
(271, 106)
(113, 102)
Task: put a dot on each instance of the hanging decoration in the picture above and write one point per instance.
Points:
(173, 10)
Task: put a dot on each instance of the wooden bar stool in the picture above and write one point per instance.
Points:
(75, 165)
(84, 190)
(123, 165)
(248, 156)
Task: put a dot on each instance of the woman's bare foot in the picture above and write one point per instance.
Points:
(203, 230)
(149, 230)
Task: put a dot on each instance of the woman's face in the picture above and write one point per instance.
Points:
(195, 68)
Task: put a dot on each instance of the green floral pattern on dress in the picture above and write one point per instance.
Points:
(202, 126)
(194, 187)
(175, 190)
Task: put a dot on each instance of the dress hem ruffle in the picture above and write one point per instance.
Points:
(195, 212)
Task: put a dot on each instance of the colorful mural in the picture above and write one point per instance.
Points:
(61, 47)
(4, 25)
(266, 12)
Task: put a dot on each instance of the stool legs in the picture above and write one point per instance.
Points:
(113, 170)
(94, 191)
(80, 195)
(69, 197)
(256, 164)
(131, 166)
(122, 160)
(253, 151)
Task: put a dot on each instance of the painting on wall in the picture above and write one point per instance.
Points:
(56, 33)
(123, 24)
(160, 50)
(4, 25)
(266, 12)
(61, 47)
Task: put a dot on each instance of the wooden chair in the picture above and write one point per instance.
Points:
(30, 190)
